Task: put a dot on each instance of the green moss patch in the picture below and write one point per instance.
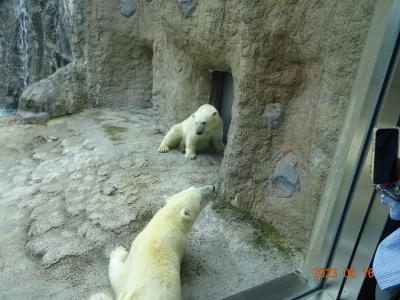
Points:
(265, 235)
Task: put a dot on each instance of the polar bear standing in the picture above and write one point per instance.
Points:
(196, 132)
(151, 269)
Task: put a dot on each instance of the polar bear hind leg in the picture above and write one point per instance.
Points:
(172, 139)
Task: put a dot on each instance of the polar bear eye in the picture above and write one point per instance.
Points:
(204, 123)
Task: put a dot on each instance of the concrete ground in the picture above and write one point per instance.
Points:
(73, 189)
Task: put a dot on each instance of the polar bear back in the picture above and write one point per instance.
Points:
(151, 270)
(154, 260)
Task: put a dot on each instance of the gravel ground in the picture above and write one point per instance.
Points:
(73, 189)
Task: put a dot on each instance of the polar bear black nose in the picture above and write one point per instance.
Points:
(199, 132)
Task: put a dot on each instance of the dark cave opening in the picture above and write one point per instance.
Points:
(222, 94)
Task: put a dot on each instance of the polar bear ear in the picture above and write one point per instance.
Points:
(214, 113)
(185, 214)
(193, 116)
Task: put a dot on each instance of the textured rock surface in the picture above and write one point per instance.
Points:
(32, 118)
(285, 179)
(34, 42)
(128, 7)
(117, 52)
(187, 7)
(273, 115)
(55, 95)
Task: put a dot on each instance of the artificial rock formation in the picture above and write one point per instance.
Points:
(293, 63)
(34, 42)
(55, 95)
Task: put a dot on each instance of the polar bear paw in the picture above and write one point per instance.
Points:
(163, 148)
(100, 296)
(119, 252)
(190, 155)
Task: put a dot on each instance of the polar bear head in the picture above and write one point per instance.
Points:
(206, 118)
(189, 203)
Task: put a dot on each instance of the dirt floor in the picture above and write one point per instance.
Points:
(73, 189)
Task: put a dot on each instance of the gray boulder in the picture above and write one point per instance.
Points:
(53, 95)
(128, 7)
(187, 7)
(26, 117)
(273, 115)
(285, 180)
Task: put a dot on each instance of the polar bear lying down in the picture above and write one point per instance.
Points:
(196, 132)
(151, 269)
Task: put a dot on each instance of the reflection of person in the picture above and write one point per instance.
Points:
(386, 263)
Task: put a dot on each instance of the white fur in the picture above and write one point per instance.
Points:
(184, 134)
(151, 269)
(100, 296)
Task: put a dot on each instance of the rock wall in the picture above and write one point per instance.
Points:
(118, 54)
(303, 55)
(56, 95)
(34, 42)
(293, 63)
